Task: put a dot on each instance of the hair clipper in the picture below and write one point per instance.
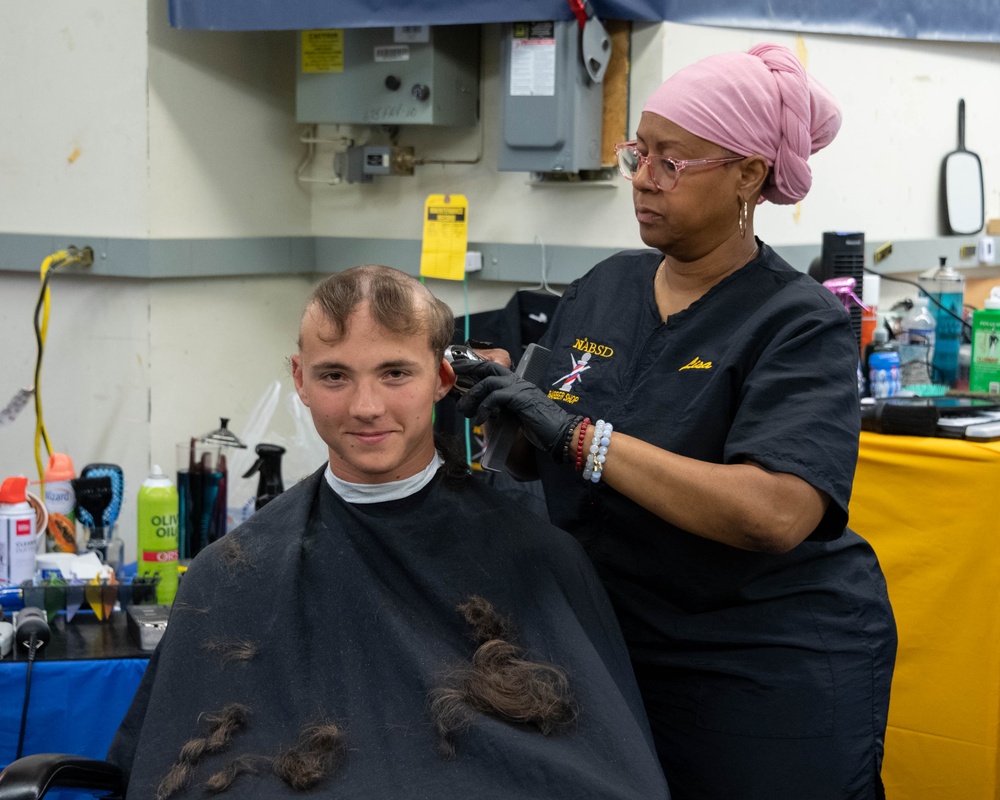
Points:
(502, 434)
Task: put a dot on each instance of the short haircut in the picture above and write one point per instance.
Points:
(396, 301)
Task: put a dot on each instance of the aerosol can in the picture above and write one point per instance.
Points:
(17, 532)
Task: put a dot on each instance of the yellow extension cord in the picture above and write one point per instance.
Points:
(57, 259)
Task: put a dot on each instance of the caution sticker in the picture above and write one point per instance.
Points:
(446, 237)
(323, 51)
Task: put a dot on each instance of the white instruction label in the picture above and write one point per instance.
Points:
(533, 60)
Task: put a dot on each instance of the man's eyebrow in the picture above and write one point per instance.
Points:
(332, 366)
(399, 363)
(336, 366)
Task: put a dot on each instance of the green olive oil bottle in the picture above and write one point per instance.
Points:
(157, 530)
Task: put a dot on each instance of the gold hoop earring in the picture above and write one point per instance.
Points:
(743, 220)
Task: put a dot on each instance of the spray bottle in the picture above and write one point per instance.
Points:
(17, 532)
(60, 502)
(843, 288)
(268, 463)
(946, 289)
(157, 532)
(984, 369)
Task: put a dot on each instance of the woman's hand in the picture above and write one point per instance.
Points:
(495, 354)
(496, 388)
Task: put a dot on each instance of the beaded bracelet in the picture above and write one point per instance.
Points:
(598, 451)
(564, 456)
(579, 443)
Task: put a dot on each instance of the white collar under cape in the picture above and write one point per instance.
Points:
(356, 493)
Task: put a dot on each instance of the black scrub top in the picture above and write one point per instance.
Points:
(762, 368)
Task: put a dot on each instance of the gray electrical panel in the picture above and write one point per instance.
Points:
(550, 109)
(411, 75)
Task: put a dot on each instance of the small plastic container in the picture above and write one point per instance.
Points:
(883, 371)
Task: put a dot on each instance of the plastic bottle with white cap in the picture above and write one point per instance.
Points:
(916, 344)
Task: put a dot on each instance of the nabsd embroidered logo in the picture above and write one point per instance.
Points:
(696, 363)
(570, 382)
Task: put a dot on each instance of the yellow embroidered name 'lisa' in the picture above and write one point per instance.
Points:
(697, 363)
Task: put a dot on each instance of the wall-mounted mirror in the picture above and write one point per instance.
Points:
(962, 174)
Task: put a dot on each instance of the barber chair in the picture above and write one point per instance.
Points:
(31, 777)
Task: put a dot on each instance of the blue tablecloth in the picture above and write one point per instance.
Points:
(75, 706)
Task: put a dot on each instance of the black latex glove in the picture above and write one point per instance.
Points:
(496, 388)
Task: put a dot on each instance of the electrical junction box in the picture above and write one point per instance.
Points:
(550, 109)
(408, 75)
(359, 164)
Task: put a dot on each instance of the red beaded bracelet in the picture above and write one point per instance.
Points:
(579, 443)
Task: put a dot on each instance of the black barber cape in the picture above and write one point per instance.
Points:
(353, 612)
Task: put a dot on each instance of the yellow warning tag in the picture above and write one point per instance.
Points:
(323, 51)
(446, 236)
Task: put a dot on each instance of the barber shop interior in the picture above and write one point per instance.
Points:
(337, 459)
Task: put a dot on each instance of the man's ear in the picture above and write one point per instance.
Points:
(297, 377)
(446, 379)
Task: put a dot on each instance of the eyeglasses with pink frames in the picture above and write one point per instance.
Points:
(663, 170)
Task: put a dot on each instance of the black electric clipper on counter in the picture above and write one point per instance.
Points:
(531, 367)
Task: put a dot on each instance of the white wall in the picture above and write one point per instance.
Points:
(216, 346)
(183, 134)
(73, 134)
(223, 141)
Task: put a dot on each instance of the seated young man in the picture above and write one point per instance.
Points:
(389, 627)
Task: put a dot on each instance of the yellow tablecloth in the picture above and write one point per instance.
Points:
(931, 509)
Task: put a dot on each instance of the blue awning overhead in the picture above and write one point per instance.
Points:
(957, 20)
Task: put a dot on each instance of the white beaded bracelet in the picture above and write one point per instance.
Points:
(598, 451)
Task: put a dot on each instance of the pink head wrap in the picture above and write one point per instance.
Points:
(761, 102)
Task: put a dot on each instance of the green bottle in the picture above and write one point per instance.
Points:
(158, 510)
(984, 370)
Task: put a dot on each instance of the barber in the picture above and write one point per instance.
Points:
(722, 382)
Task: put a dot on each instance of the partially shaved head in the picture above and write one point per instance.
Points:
(396, 301)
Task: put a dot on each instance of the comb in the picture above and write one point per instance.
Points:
(532, 368)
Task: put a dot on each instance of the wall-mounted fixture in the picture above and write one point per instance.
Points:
(408, 75)
(551, 96)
